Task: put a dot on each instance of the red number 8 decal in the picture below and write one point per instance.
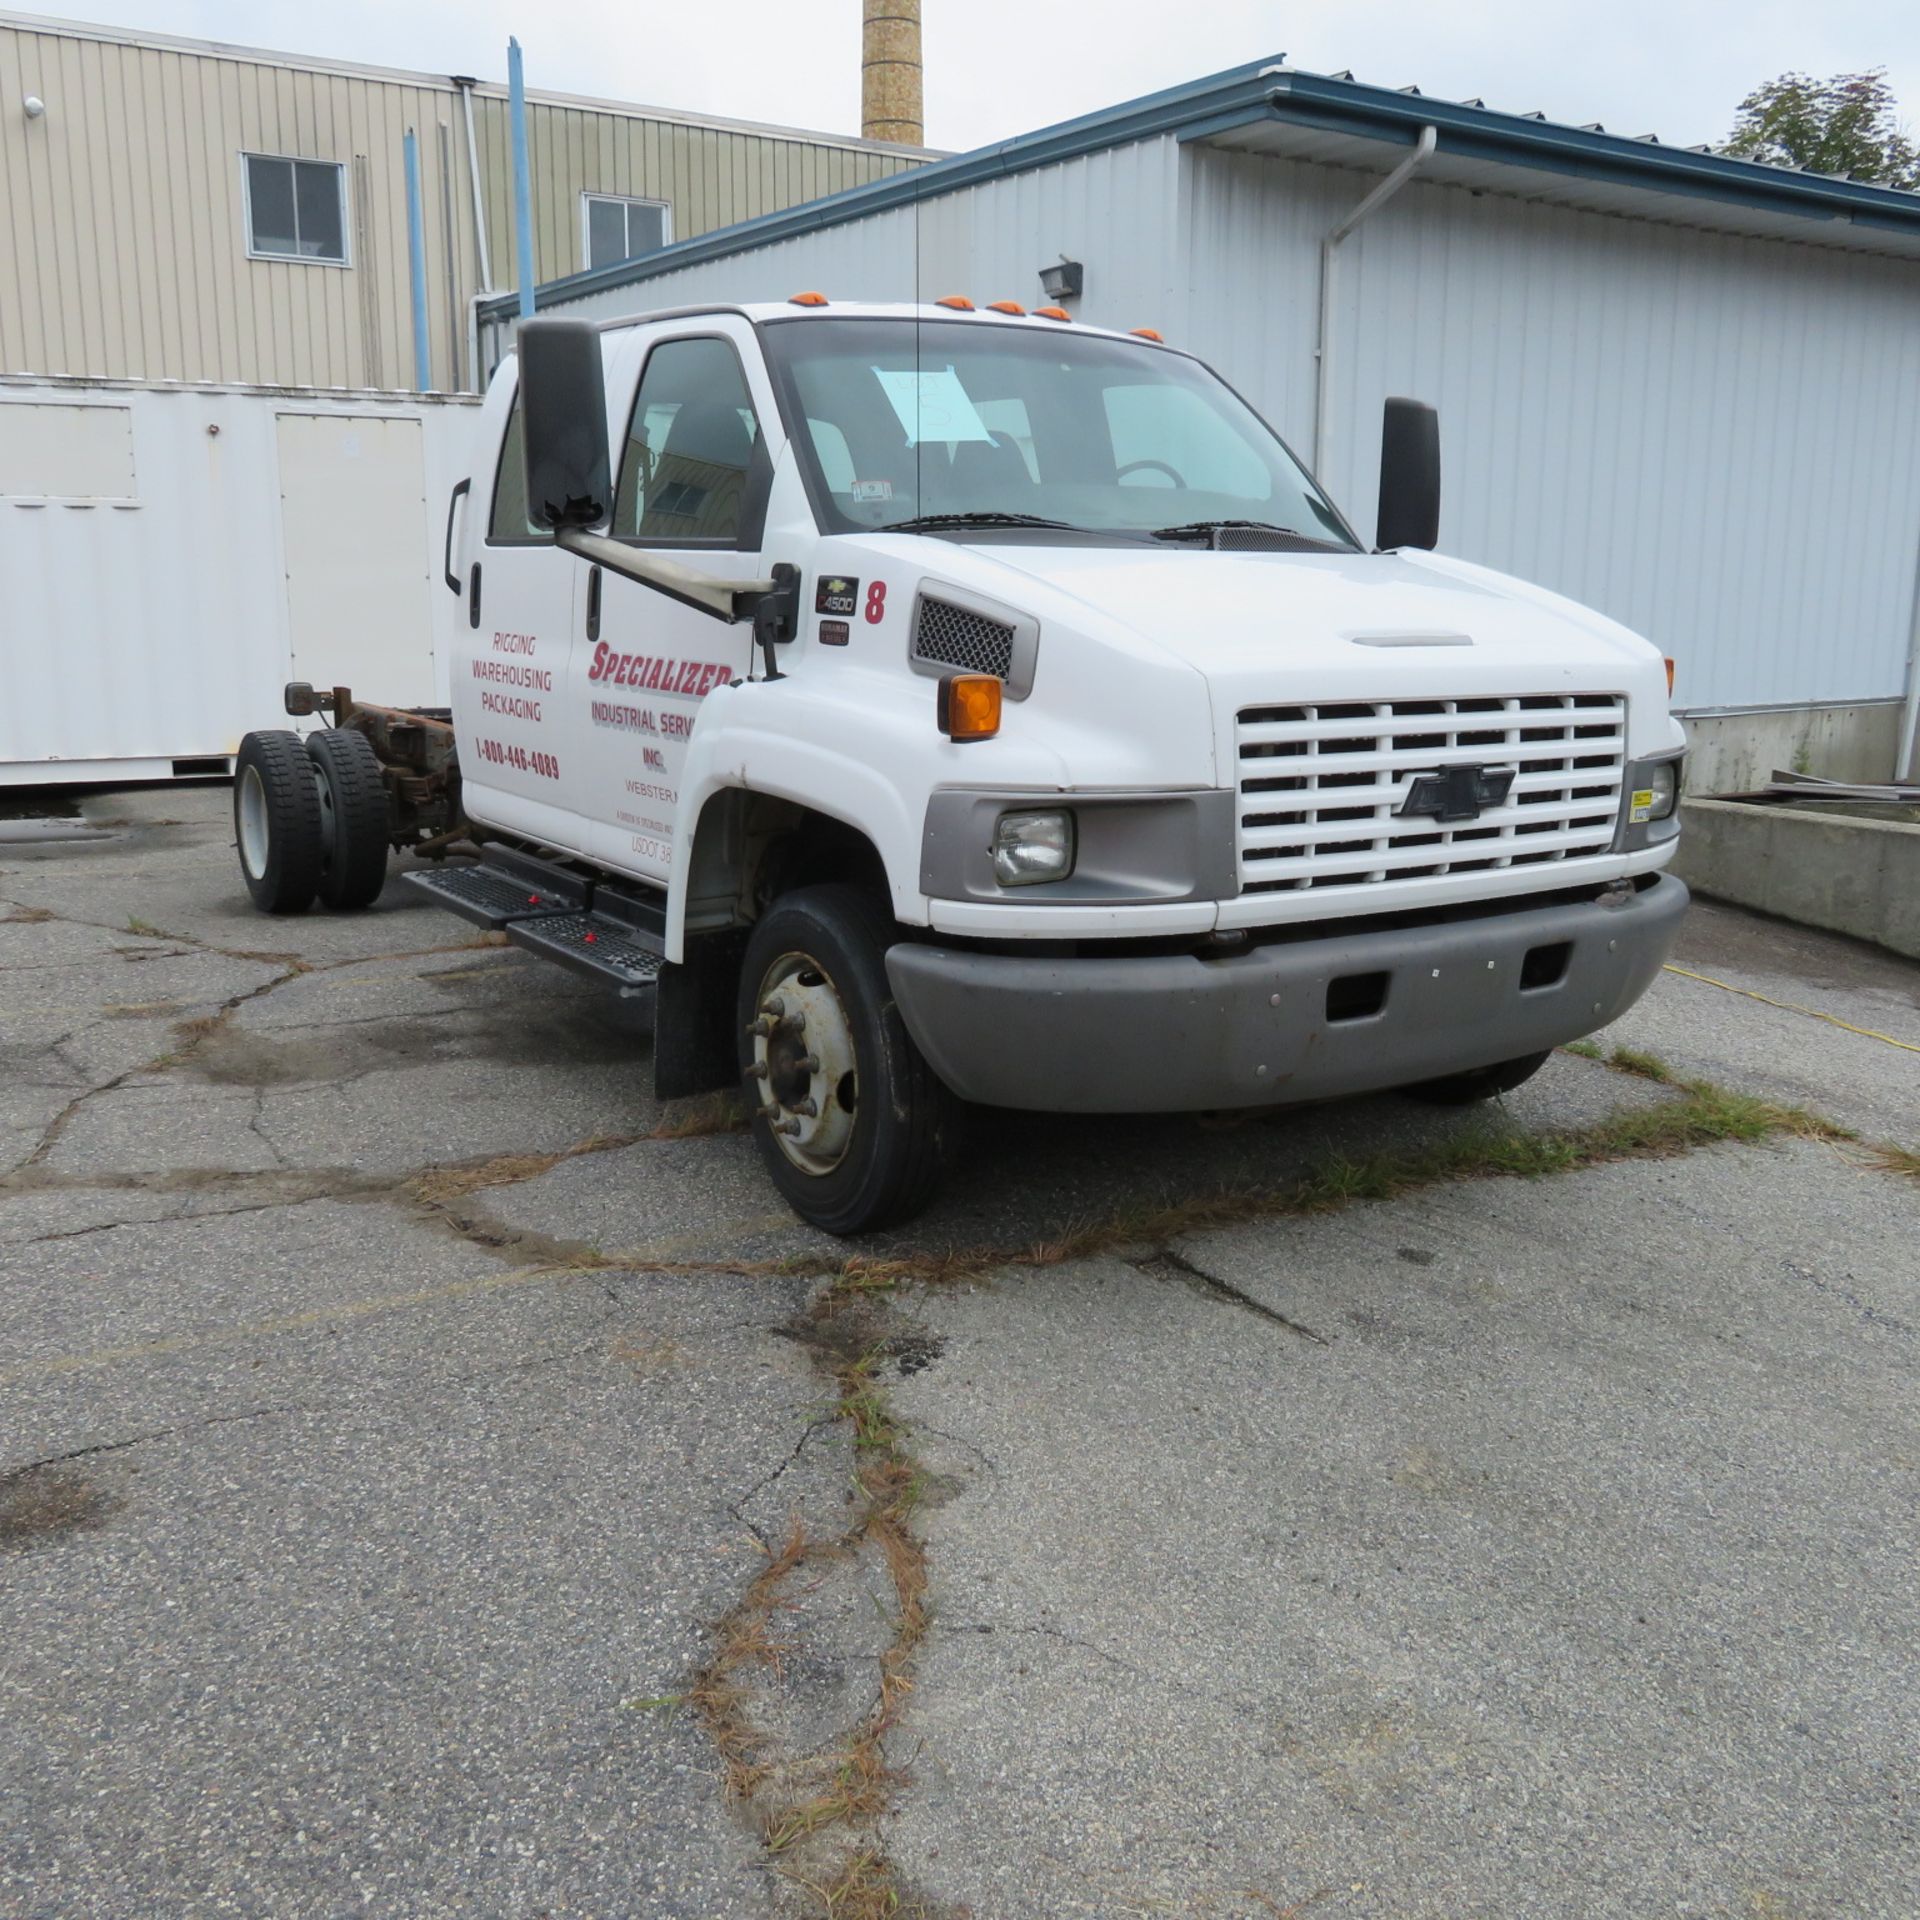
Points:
(876, 603)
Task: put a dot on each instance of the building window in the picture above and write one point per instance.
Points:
(613, 229)
(296, 209)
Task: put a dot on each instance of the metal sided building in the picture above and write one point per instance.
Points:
(1677, 386)
(186, 210)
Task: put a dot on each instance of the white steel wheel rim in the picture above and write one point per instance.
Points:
(329, 820)
(252, 815)
(805, 1070)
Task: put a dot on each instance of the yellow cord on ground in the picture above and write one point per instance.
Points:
(1787, 1006)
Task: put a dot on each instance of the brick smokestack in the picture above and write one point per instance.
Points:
(890, 72)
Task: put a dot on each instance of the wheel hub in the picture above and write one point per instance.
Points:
(804, 1068)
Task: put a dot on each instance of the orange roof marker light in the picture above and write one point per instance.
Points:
(807, 300)
(957, 301)
(1051, 313)
(1150, 333)
(1008, 306)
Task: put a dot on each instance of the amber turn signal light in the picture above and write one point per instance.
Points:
(957, 301)
(1051, 313)
(807, 300)
(969, 706)
(1669, 660)
(1006, 306)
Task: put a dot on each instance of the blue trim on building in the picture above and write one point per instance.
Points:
(1262, 91)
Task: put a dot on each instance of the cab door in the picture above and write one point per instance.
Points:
(693, 469)
(520, 762)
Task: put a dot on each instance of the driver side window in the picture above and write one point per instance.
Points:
(687, 467)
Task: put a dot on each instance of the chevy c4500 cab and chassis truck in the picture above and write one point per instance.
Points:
(937, 708)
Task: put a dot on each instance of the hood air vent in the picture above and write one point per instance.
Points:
(956, 632)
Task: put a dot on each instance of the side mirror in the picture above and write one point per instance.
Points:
(1409, 476)
(563, 407)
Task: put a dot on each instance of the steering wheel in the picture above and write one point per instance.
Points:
(1134, 466)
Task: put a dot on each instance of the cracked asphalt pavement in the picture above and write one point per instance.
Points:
(395, 1400)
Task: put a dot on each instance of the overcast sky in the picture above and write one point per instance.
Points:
(1677, 68)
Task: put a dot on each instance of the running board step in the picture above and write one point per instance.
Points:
(487, 896)
(591, 943)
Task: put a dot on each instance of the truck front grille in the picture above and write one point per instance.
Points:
(957, 637)
(1322, 787)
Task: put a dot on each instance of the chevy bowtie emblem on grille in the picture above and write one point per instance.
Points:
(1458, 793)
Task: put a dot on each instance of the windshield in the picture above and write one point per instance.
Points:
(907, 421)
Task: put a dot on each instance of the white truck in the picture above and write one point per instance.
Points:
(938, 707)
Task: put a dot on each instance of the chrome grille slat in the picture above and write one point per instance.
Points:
(1321, 787)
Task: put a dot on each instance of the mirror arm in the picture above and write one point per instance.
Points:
(728, 600)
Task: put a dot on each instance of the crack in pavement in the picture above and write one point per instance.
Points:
(1212, 1287)
(282, 1410)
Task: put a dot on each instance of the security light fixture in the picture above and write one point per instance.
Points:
(1065, 281)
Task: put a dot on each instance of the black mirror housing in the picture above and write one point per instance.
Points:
(1409, 476)
(563, 405)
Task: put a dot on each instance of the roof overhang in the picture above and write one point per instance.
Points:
(1334, 122)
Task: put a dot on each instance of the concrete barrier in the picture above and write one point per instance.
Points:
(1840, 871)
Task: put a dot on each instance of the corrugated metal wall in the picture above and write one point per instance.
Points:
(122, 229)
(1709, 438)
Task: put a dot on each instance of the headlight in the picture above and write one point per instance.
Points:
(1031, 847)
(1656, 791)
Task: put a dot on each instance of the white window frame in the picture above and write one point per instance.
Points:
(589, 195)
(296, 259)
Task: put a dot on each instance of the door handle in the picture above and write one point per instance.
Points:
(473, 597)
(446, 558)
(593, 603)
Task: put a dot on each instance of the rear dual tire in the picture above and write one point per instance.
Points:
(310, 820)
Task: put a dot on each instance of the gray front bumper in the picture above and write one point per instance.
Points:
(1173, 1033)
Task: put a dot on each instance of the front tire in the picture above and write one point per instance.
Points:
(276, 821)
(855, 1128)
(353, 818)
(1480, 1083)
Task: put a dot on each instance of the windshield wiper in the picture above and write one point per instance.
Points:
(1202, 529)
(934, 522)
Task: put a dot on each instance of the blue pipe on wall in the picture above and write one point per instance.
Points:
(417, 260)
(522, 183)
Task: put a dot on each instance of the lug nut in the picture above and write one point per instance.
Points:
(762, 1029)
(791, 1128)
(807, 1063)
(774, 1005)
(807, 1109)
(758, 1070)
(770, 1111)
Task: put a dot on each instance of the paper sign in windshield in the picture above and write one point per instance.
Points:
(932, 406)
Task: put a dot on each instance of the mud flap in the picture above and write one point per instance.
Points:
(694, 1045)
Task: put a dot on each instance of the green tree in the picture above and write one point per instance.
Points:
(1848, 124)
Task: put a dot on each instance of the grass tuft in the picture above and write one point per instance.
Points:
(1647, 1066)
(1902, 1161)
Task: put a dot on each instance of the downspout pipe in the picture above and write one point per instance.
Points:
(466, 85)
(417, 264)
(522, 185)
(1904, 768)
(1329, 247)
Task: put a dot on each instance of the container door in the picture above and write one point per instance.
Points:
(693, 471)
(520, 759)
(353, 521)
